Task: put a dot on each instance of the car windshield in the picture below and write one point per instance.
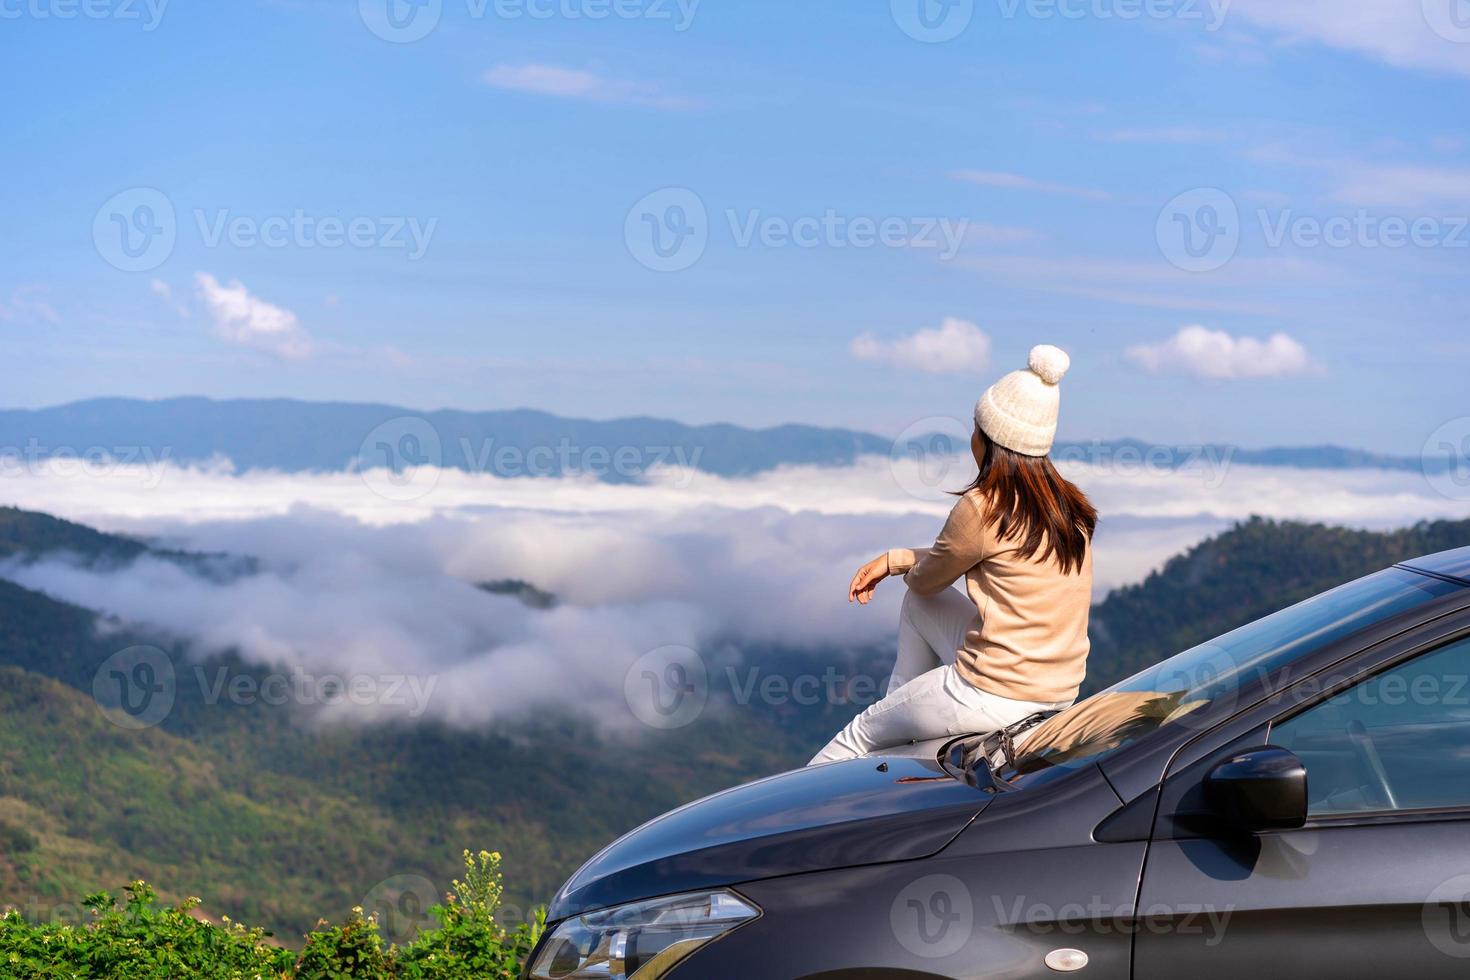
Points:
(1176, 690)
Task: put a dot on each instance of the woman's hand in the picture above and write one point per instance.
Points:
(867, 579)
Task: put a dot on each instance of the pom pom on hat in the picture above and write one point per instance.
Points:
(1050, 363)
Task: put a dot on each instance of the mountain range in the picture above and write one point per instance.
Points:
(300, 436)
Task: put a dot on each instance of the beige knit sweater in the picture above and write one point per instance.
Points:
(1028, 641)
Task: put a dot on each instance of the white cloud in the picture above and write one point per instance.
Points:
(1156, 283)
(353, 583)
(1405, 186)
(1426, 188)
(984, 233)
(1009, 181)
(1266, 198)
(24, 307)
(1171, 134)
(954, 347)
(1242, 271)
(582, 85)
(1209, 353)
(241, 318)
(1401, 33)
(165, 292)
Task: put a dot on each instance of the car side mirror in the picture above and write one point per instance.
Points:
(1259, 789)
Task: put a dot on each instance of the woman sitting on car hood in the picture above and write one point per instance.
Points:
(1015, 641)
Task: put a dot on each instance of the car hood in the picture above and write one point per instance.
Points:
(862, 811)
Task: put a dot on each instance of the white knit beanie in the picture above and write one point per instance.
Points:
(1019, 411)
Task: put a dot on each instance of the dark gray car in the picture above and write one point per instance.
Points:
(1291, 799)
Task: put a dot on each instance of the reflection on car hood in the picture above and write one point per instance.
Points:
(864, 811)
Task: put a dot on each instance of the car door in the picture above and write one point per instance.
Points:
(1377, 883)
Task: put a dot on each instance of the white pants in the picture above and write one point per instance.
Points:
(927, 698)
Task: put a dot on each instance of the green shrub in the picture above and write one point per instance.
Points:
(140, 941)
(353, 949)
(137, 941)
(469, 942)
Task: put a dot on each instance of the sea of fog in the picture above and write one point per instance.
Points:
(376, 572)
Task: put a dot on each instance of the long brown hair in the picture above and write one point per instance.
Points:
(1026, 497)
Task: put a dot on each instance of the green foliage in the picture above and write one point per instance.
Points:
(281, 822)
(16, 840)
(353, 949)
(137, 941)
(469, 942)
(24, 534)
(140, 941)
(526, 592)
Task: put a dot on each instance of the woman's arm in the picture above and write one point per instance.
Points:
(959, 548)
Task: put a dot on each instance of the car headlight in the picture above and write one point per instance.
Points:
(642, 939)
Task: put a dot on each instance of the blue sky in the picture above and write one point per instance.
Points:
(503, 176)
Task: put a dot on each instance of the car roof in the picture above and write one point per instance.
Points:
(1449, 564)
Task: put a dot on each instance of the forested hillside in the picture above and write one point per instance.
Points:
(1256, 568)
(277, 821)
